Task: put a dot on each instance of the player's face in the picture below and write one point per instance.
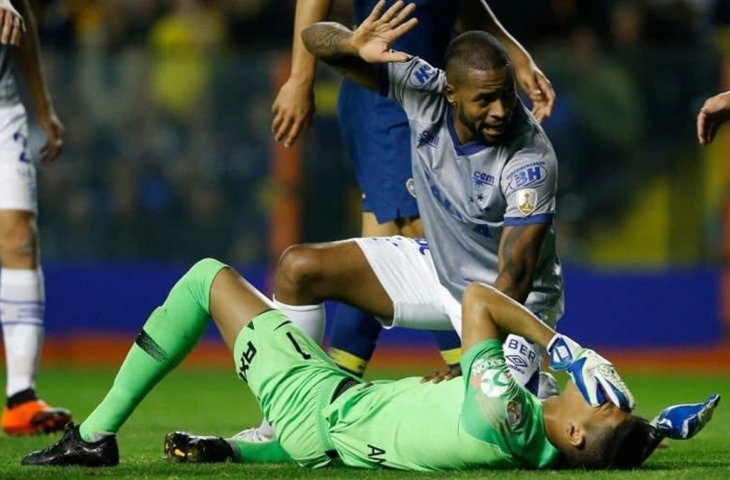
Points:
(484, 101)
(607, 415)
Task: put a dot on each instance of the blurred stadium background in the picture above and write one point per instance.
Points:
(169, 158)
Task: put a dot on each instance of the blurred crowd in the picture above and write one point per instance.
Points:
(239, 23)
(166, 104)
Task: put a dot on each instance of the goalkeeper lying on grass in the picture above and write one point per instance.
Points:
(322, 415)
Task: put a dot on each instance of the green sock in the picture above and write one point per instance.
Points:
(258, 452)
(167, 337)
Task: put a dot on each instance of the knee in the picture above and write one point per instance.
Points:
(299, 267)
(18, 241)
(475, 292)
(478, 296)
(205, 265)
(200, 276)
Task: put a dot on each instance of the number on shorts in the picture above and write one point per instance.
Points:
(304, 354)
(23, 140)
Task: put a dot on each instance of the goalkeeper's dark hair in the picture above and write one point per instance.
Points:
(614, 448)
(477, 50)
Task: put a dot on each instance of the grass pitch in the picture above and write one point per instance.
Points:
(214, 402)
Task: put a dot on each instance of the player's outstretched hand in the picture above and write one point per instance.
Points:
(374, 37)
(12, 25)
(594, 376)
(538, 88)
(441, 375)
(54, 137)
(714, 112)
(293, 110)
(681, 422)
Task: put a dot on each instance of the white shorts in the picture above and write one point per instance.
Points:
(18, 189)
(405, 269)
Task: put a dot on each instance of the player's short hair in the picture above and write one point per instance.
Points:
(477, 50)
(614, 448)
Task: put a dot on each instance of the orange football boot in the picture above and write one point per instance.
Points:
(34, 417)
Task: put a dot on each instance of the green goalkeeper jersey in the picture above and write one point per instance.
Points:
(486, 421)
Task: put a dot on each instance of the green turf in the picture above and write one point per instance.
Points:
(215, 402)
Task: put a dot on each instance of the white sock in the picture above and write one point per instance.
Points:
(266, 429)
(22, 303)
(310, 318)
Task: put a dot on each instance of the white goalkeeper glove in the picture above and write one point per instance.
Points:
(594, 376)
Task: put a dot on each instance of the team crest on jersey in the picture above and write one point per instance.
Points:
(514, 414)
(526, 200)
(482, 182)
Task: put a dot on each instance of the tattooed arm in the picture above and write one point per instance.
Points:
(330, 42)
(356, 55)
(519, 251)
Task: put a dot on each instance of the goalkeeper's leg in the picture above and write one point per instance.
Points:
(167, 337)
(185, 447)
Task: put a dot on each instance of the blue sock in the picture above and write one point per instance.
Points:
(449, 345)
(352, 339)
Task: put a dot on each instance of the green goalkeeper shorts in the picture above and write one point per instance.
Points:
(293, 381)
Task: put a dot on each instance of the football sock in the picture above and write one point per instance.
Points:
(21, 397)
(169, 334)
(258, 452)
(310, 318)
(449, 345)
(352, 338)
(22, 302)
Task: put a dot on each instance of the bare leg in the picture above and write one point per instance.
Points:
(234, 303)
(18, 240)
(22, 304)
(310, 274)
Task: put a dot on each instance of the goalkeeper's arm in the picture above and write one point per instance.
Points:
(489, 314)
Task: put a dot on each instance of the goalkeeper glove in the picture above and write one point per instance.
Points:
(681, 422)
(594, 376)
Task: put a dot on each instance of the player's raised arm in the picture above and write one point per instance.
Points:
(293, 107)
(489, 314)
(477, 15)
(357, 54)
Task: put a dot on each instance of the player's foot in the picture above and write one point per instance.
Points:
(262, 433)
(71, 449)
(184, 447)
(33, 417)
(548, 386)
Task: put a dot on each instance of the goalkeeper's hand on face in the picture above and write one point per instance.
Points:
(594, 376)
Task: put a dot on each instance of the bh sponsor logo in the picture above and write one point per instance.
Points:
(529, 175)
